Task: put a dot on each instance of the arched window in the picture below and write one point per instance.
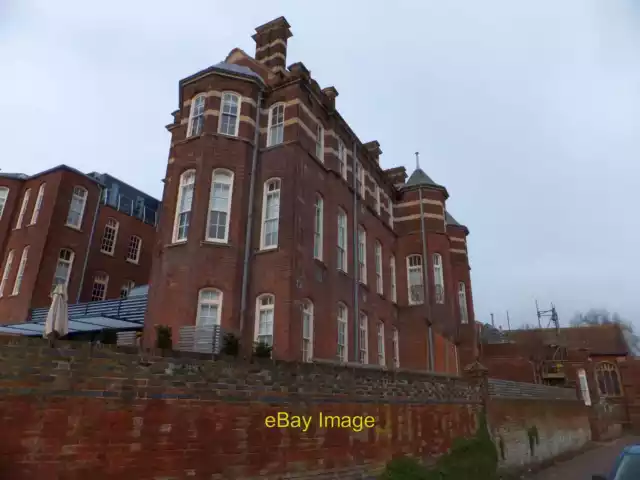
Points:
(229, 114)
(220, 206)
(5, 273)
(109, 236)
(379, 280)
(396, 348)
(462, 303)
(270, 214)
(183, 206)
(438, 277)
(265, 307)
(126, 288)
(38, 205)
(394, 288)
(608, 379)
(63, 268)
(276, 125)
(381, 350)
(99, 290)
(415, 279)
(196, 116)
(4, 194)
(135, 247)
(342, 241)
(318, 227)
(307, 331)
(343, 333)
(77, 206)
(21, 267)
(23, 208)
(364, 338)
(209, 307)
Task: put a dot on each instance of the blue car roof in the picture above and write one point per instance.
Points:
(632, 449)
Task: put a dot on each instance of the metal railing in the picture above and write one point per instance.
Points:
(205, 339)
(131, 207)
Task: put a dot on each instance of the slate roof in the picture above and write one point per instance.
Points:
(17, 176)
(419, 177)
(598, 339)
(237, 69)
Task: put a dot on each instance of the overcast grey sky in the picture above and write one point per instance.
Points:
(528, 112)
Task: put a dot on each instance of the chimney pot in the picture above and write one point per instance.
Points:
(330, 94)
(299, 69)
(374, 150)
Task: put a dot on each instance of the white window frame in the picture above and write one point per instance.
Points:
(438, 277)
(186, 186)
(415, 264)
(394, 286)
(362, 255)
(126, 287)
(4, 195)
(462, 303)
(196, 114)
(23, 208)
(378, 199)
(135, 247)
(78, 197)
(275, 132)
(100, 278)
(307, 330)
(64, 261)
(272, 190)
(379, 276)
(21, 268)
(342, 260)
(318, 227)
(320, 142)
(228, 101)
(382, 360)
(110, 236)
(396, 348)
(342, 349)
(363, 333)
(220, 176)
(38, 205)
(390, 205)
(8, 263)
(215, 302)
(342, 159)
(265, 308)
(360, 186)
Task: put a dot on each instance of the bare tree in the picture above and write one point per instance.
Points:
(601, 316)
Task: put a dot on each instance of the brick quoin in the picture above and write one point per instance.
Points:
(290, 272)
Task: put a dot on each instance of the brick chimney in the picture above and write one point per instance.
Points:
(331, 93)
(374, 150)
(271, 43)
(397, 175)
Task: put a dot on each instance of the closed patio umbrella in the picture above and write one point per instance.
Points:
(57, 324)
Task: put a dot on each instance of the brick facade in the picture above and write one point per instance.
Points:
(50, 234)
(305, 156)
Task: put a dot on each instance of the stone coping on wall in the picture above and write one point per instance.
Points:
(30, 366)
(499, 388)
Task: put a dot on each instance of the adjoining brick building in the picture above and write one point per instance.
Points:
(92, 232)
(268, 194)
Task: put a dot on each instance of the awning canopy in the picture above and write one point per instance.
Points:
(92, 323)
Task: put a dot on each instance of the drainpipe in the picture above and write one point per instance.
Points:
(356, 244)
(425, 280)
(93, 229)
(247, 239)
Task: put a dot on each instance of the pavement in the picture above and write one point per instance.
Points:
(595, 461)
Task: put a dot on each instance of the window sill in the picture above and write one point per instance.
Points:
(320, 262)
(73, 227)
(227, 135)
(214, 243)
(110, 254)
(176, 244)
(267, 249)
(343, 272)
(134, 262)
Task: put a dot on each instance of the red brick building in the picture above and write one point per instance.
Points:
(268, 194)
(92, 232)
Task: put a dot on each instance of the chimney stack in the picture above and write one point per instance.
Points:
(397, 175)
(271, 44)
(374, 150)
(331, 93)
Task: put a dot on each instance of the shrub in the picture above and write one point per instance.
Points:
(230, 345)
(262, 350)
